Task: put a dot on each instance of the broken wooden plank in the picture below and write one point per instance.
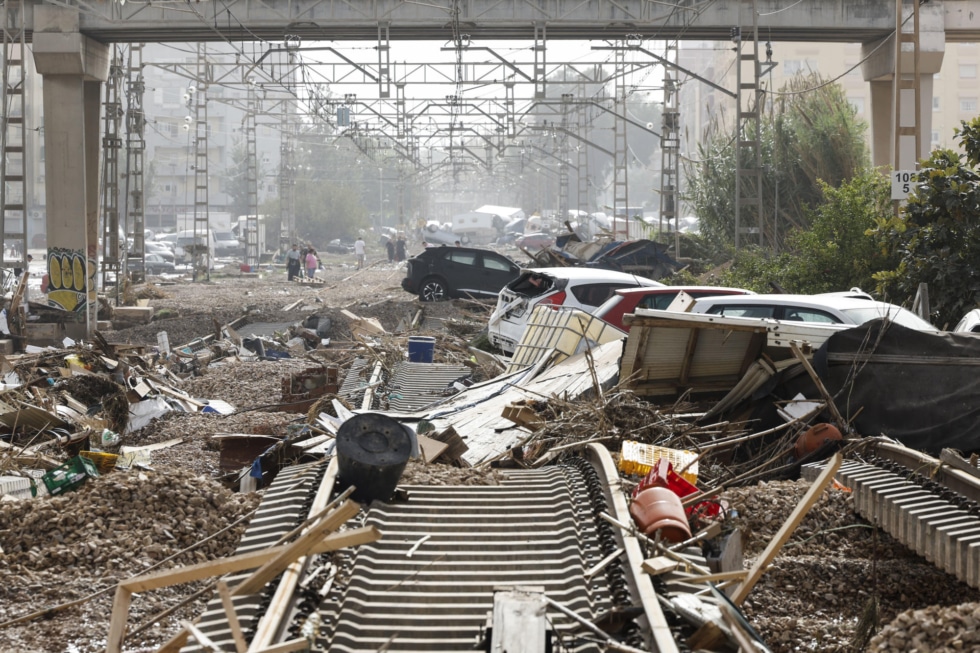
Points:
(954, 460)
(301, 547)
(523, 416)
(241, 562)
(786, 530)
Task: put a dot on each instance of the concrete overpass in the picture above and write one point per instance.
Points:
(70, 49)
(810, 20)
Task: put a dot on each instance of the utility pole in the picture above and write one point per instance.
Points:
(251, 180)
(13, 134)
(621, 148)
(135, 147)
(113, 252)
(748, 151)
(670, 145)
(903, 86)
(198, 90)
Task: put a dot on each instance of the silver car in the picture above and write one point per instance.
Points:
(583, 288)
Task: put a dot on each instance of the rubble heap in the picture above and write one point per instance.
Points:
(936, 629)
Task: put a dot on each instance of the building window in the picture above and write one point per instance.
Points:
(793, 67)
(935, 103)
(968, 71)
(858, 104)
(968, 104)
(935, 137)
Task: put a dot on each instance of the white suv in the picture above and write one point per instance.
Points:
(582, 288)
(828, 308)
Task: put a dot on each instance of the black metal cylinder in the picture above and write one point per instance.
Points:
(372, 452)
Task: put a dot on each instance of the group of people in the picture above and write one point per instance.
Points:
(301, 262)
(396, 249)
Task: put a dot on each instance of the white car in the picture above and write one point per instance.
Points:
(970, 322)
(828, 308)
(582, 288)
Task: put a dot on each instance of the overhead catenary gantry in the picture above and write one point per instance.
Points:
(479, 116)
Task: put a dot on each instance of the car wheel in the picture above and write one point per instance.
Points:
(433, 290)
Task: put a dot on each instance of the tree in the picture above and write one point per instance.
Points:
(836, 252)
(236, 179)
(812, 134)
(936, 238)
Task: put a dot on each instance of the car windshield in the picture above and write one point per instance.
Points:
(896, 314)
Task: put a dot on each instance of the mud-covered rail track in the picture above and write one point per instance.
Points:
(428, 584)
(927, 506)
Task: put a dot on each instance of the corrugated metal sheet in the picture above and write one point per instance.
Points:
(475, 413)
(666, 356)
(565, 331)
(356, 381)
(416, 385)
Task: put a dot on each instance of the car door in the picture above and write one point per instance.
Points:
(463, 271)
(496, 271)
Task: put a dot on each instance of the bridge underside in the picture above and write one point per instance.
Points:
(337, 20)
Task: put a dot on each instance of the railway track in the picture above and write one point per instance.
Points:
(924, 504)
(429, 583)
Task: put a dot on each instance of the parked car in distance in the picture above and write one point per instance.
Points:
(153, 264)
(227, 244)
(335, 246)
(439, 273)
(827, 308)
(535, 241)
(582, 288)
(627, 300)
(160, 249)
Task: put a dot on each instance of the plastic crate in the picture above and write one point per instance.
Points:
(104, 462)
(639, 458)
(15, 486)
(70, 475)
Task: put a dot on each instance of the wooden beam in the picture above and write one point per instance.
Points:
(712, 578)
(302, 546)
(200, 637)
(786, 530)
(117, 621)
(243, 561)
(298, 644)
(241, 646)
(842, 423)
(125, 589)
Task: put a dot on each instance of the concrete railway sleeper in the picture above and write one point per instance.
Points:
(902, 492)
(429, 583)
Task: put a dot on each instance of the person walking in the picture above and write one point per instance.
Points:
(292, 262)
(311, 262)
(390, 248)
(359, 252)
(400, 249)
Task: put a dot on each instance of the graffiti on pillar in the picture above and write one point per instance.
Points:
(69, 277)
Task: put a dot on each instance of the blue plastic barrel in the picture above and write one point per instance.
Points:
(421, 349)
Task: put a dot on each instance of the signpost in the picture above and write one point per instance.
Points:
(902, 184)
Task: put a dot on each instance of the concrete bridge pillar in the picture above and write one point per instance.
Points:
(879, 69)
(73, 67)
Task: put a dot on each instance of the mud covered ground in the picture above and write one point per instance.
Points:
(836, 573)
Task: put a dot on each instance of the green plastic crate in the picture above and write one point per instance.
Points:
(70, 475)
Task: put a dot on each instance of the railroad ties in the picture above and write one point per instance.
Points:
(941, 527)
(428, 584)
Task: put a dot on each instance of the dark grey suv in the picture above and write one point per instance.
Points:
(440, 273)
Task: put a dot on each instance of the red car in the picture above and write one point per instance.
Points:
(627, 300)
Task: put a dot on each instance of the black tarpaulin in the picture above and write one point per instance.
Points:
(920, 388)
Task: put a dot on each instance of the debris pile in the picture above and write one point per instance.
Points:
(124, 522)
(266, 377)
(935, 628)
